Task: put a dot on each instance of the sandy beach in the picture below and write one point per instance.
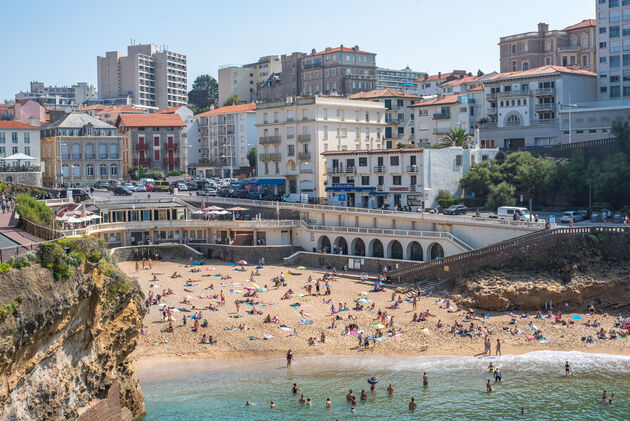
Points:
(245, 334)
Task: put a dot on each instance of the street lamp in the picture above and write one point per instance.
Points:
(570, 106)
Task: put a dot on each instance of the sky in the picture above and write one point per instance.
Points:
(57, 42)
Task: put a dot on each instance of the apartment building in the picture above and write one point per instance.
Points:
(430, 84)
(189, 134)
(436, 117)
(147, 77)
(292, 134)
(110, 114)
(79, 149)
(402, 80)
(613, 52)
(399, 117)
(523, 107)
(17, 137)
(152, 141)
(573, 46)
(226, 134)
(242, 80)
(65, 98)
(399, 177)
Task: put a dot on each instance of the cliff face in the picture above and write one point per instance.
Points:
(67, 342)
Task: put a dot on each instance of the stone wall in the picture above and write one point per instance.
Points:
(166, 252)
(252, 254)
(371, 265)
(27, 178)
(107, 409)
(539, 250)
(39, 231)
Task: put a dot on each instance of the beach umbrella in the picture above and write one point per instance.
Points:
(213, 208)
(242, 262)
(379, 283)
(378, 326)
(300, 268)
(237, 209)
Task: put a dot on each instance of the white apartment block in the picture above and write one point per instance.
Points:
(65, 98)
(17, 137)
(242, 80)
(225, 136)
(430, 84)
(523, 107)
(436, 117)
(292, 134)
(396, 178)
(613, 48)
(404, 79)
(150, 78)
(399, 117)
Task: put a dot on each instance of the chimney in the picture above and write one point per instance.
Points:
(543, 28)
(313, 51)
(356, 48)
(439, 75)
(328, 49)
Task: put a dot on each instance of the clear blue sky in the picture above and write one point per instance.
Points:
(58, 42)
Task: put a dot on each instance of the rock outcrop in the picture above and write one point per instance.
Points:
(68, 340)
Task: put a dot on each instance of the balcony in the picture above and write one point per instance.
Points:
(442, 116)
(270, 156)
(412, 168)
(172, 146)
(142, 161)
(142, 146)
(413, 189)
(545, 92)
(304, 138)
(491, 96)
(547, 122)
(380, 187)
(379, 169)
(441, 130)
(268, 140)
(514, 94)
(304, 156)
(549, 106)
(338, 170)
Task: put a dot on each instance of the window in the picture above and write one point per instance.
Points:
(76, 171)
(89, 152)
(613, 32)
(363, 162)
(613, 3)
(602, 59)
(157, 155)
(513, 48)
(615, 91)
(291, 150)
(614, 17)
(102, 151)
(525, 65)
(584, 61)
(113, 170)
(89, 170)
(103, 170)
(65, 151)
(458, 160)
(602, 45)
(615, 61)
(626, 91)
(76, 151)
(602, 30)
(394, 160)
(365, 180)
(2, 138)
(615, 46)
(614, 78)
(626, 60)
(27, 150)
(14, 137)
(113, 151)
(27, 137)
(156, 140)
(396, 180)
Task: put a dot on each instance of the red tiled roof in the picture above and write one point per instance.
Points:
(540, 71)
(122, 109)
(477, 88)
(382, 93)
(446, 99)
(464, 79)
(584, 24)
(372, 151)
(169, 110)
(16, 125)
(229, 109)
(151, 120)
(338, 49)
(94, 107)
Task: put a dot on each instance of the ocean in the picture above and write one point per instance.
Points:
(204, 390)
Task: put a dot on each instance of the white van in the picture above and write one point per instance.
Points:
(507, 212)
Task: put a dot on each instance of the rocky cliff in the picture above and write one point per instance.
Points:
(68, 322)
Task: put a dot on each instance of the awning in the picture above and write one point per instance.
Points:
(378, 193)
(270, 182)
(359, 189)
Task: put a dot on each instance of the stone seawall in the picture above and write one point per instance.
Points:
(371, 265)
(252, 254)
(166, 251)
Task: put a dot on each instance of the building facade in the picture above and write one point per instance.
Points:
(226, 135)
(399, 116)
(79, 149)
(396, 178)
(573, 46)
(402, 80)
(242, 80)
(613, 49)
(293, 133)
(17, 137)
(430, 84)
(65, 98)
(523, 107)
(152, 141)
(149, 78)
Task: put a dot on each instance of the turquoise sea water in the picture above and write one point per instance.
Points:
(535, 381)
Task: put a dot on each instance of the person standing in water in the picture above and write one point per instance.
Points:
(289, 358)
(488, 386)
(425, 380)
(328, 403)
(498, 348)
(412, 404)
(363, 395)
(497, 376)
(390, 391)
(296, 389)
(567, 369)
(272, 405)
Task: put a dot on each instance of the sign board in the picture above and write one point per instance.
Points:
(343, 185)
(552, 219)
(342, 197)
(473, 194)
(399, 189)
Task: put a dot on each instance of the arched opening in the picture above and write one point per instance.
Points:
(376, 248)
(324, 244)
(340, 246)
(414, 251)
(513, 120)
(437, 252)
(395, 250)
(358, 247)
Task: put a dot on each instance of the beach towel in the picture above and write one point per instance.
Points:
(576, 317)
(294, 306)
(382, 338)
(234, 316)
(286, 328)
(253, 338)
(268, 336)
(353, 332)
(305, 322)
(530, 337)
(543, 341)
(183, 309)
(235, 291)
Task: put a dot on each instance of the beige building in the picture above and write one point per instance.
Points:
(150, 78)
(573, 46)
(293, 133)
(243, 80)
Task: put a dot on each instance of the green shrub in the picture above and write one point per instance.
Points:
(33, 210)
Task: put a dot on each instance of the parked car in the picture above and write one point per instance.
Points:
(456, 210)
(206, 192)
(508, 212)
(141, 187)
(100, 185)
(182, 187)
(122, 191)
(130, 186)
(78, 195)
(568, 215)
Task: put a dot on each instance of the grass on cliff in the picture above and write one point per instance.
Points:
(33, 210)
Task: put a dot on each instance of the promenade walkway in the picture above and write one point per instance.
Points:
(9, 230)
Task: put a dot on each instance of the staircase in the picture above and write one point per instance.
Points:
(243, 240)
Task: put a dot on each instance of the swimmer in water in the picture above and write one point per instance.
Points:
(272, 405)
(350, 396)
(497, 376)
(352, 409)
(491, 367)
(295, 388)
(604, 393)
(363, 395)
(567, 369)
(302, 400)
(390, 390)
(425, 380)
(248, 403)
(412, 404)
(308, 402)
(488, 386)
(328, 403)
(522, 411)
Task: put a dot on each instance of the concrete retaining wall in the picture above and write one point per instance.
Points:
(165, 251)
(33, 179)
(252, 254)
(371, 265)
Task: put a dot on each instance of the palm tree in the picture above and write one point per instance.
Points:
(456, 137)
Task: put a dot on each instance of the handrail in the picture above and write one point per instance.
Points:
(494, 248)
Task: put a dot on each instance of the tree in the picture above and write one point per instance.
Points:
(622, 133)
(478, 180)
(251, 157)
(528, 174)
(501, 195)
(231, 100)
(571, 178)
(205, 92)
(456, 137)
(444, 195)
(155, 173)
